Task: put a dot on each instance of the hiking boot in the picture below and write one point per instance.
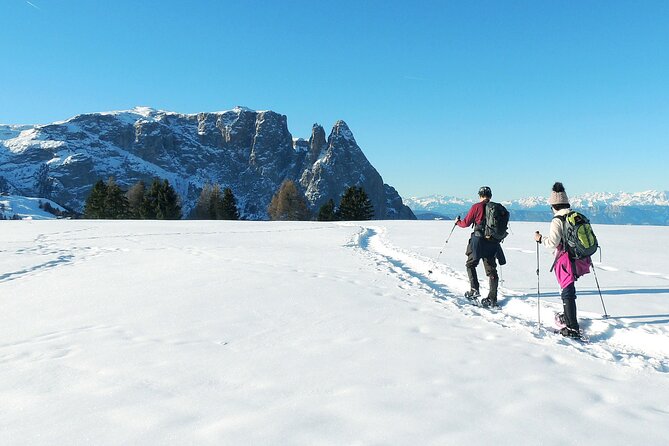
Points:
(489, 302)
(570, 333)
(472, 294)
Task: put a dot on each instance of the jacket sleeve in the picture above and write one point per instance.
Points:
(470, 218)
(554, 237)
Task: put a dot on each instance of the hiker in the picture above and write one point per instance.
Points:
(482, 247)
(566, 268)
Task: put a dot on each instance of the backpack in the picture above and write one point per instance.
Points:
(579, 239)
(496, 221)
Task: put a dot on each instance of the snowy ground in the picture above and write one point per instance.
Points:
(25, 207)
(263, 333)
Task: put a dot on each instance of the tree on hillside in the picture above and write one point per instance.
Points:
(135, 196)
(327, 211)
(215, 202)
(212, 204)
(106, 200)
(355, 205)
(95, 203)
(115, 204)
(162, 202)
(202, 211)
(229, 210)
(288, 204)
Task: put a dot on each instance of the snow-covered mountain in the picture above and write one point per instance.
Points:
(26, 208)
(250, 151)
(645, 208)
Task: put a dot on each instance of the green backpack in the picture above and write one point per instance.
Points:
(578, 237)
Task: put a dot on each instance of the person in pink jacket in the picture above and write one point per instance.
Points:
(563, 266)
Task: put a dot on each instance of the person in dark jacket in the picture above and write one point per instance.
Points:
(480, 248)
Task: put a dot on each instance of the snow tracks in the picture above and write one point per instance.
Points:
(615, 340)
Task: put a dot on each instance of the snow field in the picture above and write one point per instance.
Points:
(196, 332)
(640, 344)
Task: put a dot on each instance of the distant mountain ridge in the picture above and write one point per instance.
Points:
(252, 152)
(640, 208)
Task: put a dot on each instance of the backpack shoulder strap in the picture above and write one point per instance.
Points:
(563, 219)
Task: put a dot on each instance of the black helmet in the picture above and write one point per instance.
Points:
(485, 191)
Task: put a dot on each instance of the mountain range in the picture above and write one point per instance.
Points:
(640, 208)
(252, 152)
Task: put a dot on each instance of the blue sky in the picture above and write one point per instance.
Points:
(442, 96)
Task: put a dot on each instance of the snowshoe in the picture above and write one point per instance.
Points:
(473, 295)
(570, 333)
(489, 303)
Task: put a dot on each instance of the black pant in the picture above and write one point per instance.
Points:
(569, 306)
(490, 266)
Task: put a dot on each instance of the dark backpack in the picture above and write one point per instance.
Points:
(578, 237)
(496, 221)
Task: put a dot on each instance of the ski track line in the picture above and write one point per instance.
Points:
(605, 267)
(447, 285)
(58, 256)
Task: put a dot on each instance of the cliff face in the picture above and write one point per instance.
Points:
(251, 152)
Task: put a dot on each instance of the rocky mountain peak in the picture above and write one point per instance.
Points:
(341, 131)
(250, 151)
(317, 142)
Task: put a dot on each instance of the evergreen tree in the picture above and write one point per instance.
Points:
(95, 203)
(355, 205)
(215, 202)
(229, 210)
(201, 211)
(327, 211)
(135, 196)
(115, 204)
(162, 202)
(288, 204)
(212, 204)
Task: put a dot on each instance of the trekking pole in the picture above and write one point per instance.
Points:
(444, 247)
(605, 315)
(538, 291)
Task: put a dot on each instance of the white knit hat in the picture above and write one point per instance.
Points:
(558, 195)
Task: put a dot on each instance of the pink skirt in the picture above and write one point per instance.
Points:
(564, 272)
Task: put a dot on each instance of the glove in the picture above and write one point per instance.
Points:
(537, 236)
(457, 220)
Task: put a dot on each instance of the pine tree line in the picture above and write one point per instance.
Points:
(160, 202)
(215, 205)
(109, 201)
(289, 204)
